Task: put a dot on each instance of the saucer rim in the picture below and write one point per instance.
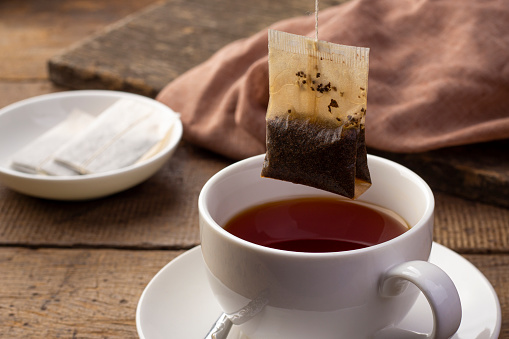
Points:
(436, 247)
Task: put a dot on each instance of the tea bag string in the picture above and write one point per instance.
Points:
(316, 20)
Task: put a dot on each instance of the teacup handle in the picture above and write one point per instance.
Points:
(438, 289)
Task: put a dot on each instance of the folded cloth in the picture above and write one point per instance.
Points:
(439, 77)
(38, 156)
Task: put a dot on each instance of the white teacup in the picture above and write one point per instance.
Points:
(354, 294)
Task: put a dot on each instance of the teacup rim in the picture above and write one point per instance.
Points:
(205, 213)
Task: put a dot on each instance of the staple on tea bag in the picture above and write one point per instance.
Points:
(123, 134)
(37, 157)
(315, 118)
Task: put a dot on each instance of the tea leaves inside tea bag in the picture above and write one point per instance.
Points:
(316, 112)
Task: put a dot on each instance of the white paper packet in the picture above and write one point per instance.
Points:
(37, 157)
(120, 136)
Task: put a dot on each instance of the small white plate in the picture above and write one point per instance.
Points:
(177, 303)
(24, 121)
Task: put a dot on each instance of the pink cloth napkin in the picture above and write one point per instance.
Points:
(439, 76)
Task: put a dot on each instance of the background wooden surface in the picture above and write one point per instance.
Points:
(77, 269)
(143, 52)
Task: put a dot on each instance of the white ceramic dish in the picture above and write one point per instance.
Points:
(25, 120)
(178, 303)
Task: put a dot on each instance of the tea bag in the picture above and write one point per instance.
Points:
(38, 156)
(125, 133)
(316, 113)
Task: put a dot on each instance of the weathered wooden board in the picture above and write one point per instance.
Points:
(83, 293)
(74, 293)
(478, 172)
(145, 51)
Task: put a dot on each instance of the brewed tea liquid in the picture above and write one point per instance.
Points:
(316, 225)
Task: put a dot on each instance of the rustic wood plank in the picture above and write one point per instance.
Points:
(60, 293)
(80, 293)
(478, 172)
(53, 25)
(47, 28)
(142, 53)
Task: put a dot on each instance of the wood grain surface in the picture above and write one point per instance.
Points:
(143, 52)
(74, 293)
(81, 293)
(32, 31)
(77, 269)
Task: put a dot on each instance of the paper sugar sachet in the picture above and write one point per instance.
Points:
(316, 112)
(37, 157)
(120, 136)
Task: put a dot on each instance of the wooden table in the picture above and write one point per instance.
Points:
(77, 269)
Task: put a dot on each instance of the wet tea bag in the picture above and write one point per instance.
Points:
(316, 112)
(38, 156)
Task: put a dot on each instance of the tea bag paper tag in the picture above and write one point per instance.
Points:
(37, 157)
(317, 79)
(120, 136)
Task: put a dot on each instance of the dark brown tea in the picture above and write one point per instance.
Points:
(316, 225)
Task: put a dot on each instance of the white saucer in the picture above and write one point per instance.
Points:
(177, 303)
